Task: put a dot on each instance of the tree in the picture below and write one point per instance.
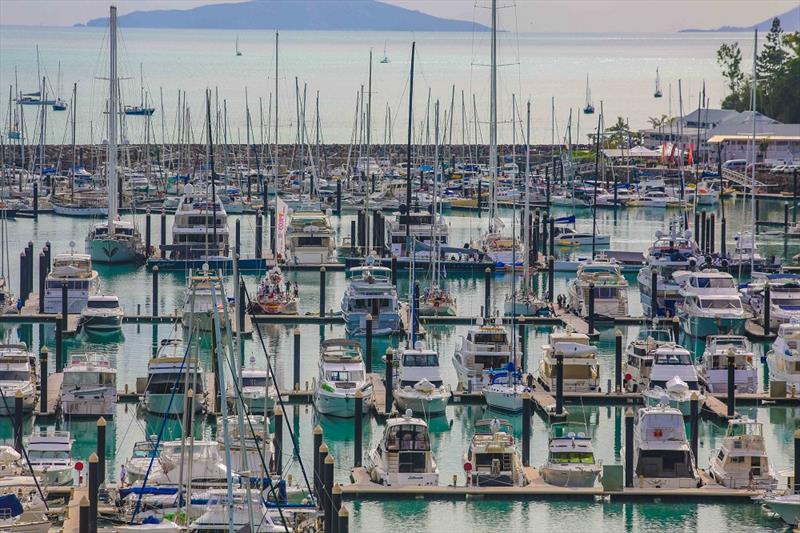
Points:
(729, 57)
(773, 56)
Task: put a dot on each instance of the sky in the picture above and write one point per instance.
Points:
(559, 16)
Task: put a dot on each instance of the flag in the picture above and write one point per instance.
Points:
(672, 153)
(281, 212)
(663, 152)
(691, 154)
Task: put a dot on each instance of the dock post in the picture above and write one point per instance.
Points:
(148, 227)
(155, 291)
(358, 429)
(336, 506)
(709, 231)
(731, 399)
(277, 441)
(42, 280)
(242, 306)
(323, 281)
(757, 221)
(480, 198)
(163, 233)
(591, 309)
(23, 292)
(767, 305)
(487, 292)
(296, 366)
(35, 200)
(83, 515)
(59, 345)
(338, 197)
(344, 521)
(18, 421)
(368, 347)
(628, 447)
(559, 384)
(237, 238)
(327, 476)
(703, 232)
(676, 328)
(93, 490)
(526, 429)
(618, 362)
(101, 450)
(796, 448)
(552, 234)
(697, 228)
(722, 224)
(272, 215)
(317, 443)
(352, 238)
(694, 411)
(64, 306)
(376, 226)
(654, 294)
(394, 270)
(534, 243)
(543, 234)
(43, 379)
(389, 381)
(712, 233)
(323, 495)
(551, 282)
(259, 242)
(521, 334)
(362, 233)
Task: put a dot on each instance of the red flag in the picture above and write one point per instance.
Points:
(672, 153)
(663, 152)
(691, 154)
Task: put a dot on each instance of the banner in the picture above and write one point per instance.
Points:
(281, 212)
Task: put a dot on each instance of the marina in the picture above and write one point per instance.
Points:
(228, 332)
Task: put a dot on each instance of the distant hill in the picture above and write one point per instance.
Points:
(347, 15)
(790, 21)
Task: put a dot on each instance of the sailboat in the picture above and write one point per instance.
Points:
(114, 241)
(59, 104)
(385, 59)
(657, 94)
(589, 109)
(238, 52)
(140, 110)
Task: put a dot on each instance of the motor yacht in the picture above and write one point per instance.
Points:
(170, 374)
(673, 379)
(342, 374)
(741, 460)
(711, 305)
(257, 396)
(310, 239)
(419, 387)
(745, 253)
(786, 506)
(371, 291)
(783, 359)
(50, 456)
(570, 459)
(200, 226)
(566, 235)
(18, 373)
(493, 459)
(102, 315)
(581, 370)
(403, 457)
(784, 297)
(74, 271)
(427, 231)
(89, 386)
(610, 289)
(673, 252)
(713, 367)
(638, 357)
(484, 348)
(259, 449)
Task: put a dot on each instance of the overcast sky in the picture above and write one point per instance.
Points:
(532, 15)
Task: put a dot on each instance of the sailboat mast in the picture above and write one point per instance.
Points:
(493, 115)
(434, 214)
(525, 221)
(111, 147)
(275, 151)
(367, 232)
(408, 143)
(212, 173)
(74, 157)
(753, 163)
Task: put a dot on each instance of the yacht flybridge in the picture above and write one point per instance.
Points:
(485, 348)
(74, 270)
(712, 304)
(310, 239)
(403, 457)
(200, 227)
(610, 289)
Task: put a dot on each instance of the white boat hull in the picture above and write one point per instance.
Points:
(112, 251)
(339, 405)
(420, 403)
(160, 404)
(99, 402)
(787, 507)
(504, 398)
(571, 475)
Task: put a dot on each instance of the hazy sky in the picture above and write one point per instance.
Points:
(532, 15)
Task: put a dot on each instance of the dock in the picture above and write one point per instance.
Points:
(717, 408)
(545, 404)
(54, 382)
(378, 395)
(755, 331)
(570, 320)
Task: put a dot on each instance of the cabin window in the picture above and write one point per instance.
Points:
(15, 375)
(408, 437)
(489, 338)
(412, 463)
(577, 372)
(721, 304)
(605, 293)
(673, 358)
(664, 463)
(48, 454)
(586, 458)
(82, 379)
(712, 283)
(102, 304)
(490, 361)
(312, 241)
(254, 382)
(420, 359)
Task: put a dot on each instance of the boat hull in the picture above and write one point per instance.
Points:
(339, 405)
(504, 398)
(570, 475)
(420, 403)
(159, 404)
(702, 327)
(99, 402)
(113, 251)
(8, 407)
(787, 507)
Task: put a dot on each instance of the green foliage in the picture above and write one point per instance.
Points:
(729, 57)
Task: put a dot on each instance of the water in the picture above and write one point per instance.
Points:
(621, 68)
(631, 229)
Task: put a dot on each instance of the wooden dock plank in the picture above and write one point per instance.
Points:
(378, 394)
(72, 516)
(717, 407)
(54, 382)
(578, 324)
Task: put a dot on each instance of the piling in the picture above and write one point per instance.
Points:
(676, 328)
(758, 214)
(389, 382)
(94, 485)
(272, 242)
(327, 477)
(43, 379)
(767, 305)
(64, 306)
(543, 233)
(352, 238)
(344, 521)
(368, 342)
(480, 198)
(23, 293)
(358, 430)
(277, 441)
(722, 224)
(259, 242)
(101, 450)
(552, 234)
(59, 345)
(415, 317)
(703, 232)
(487, 292)
(629, 447)
(694, 411)
(618, 362)
(296, 366)
(362, 232)
(534, 244)
(654, 294)
(712, 233)
(697, 228)
(18, 421)
(47, 249)
(35, 200)
(591, 308)
(148, 228)
(317, 472)
(42, 280)
(526, 429)
(83, 515)
(394, 270)
(155, 291)
(242, 306)
(559, 384)
(551, 274)
(237, 238)
(323, 281)
(163, 230)
(731, 399)
(796, 448)
(336, 505)
(338, 197)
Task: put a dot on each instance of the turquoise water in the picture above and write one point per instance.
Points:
(632, 229)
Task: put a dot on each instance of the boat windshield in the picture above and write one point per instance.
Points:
(489, 338)
(102, 304)
(260, 381)
(732, 303)
(712, 283)
(420, 359)
(586, 458)
(48, 454)
(408, 437)
(81, 379)
(673, 358)
(664, 464)
(658, 335)
(144, 449)
(344, 375)
(14, 375)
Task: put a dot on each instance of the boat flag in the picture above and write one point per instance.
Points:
(691, 154)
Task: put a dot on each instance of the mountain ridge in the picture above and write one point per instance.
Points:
(790, 21)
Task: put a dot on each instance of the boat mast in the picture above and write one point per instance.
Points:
(111, 147)
(493, 118)
(408, 143)
(213, 174)
(74, 156)
(275, 152)
(367, 232)
(753, 164)
(525, 222)
(434, 213)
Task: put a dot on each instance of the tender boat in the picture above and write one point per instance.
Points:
(741, 461)
(492, 459)
(17, 374)
(713, 368)
(310, 239)
(712, 304)
(580, 367)
(673, 379)
(169, 375)
(661, 454)
(419, 387)
(275, 296)
(50, 456)
(258, 398)
(638, 357)
(371, 291)
(484, 348)
(89, 386)
(342, 374)
(403, 456)
(570, 459)
(610, 289)
(102, 315)
(783, 359)
(74, 270)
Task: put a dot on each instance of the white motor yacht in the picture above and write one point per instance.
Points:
(102, 315)
(169, 375)
(89, 386)
(403, 457)
(426, 228)
(783, 359)
(565, 235)
(712, 304)
(610, 289)
(570, 459)
(420, 387)
(581, 370)
(258, 443)
(713, 368)
(673, 379)
(741, 460)
(371, 291)
(638, 359)
(17, 374)
(484, 348)
(50, 456)
(310, 239)
(784, 298)
(786, 506)
(493, 459)
(200, 226)
(342, 374)
(74, 270)
(257, 396)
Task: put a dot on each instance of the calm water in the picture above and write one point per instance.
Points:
(621, 69)
(632, 229)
